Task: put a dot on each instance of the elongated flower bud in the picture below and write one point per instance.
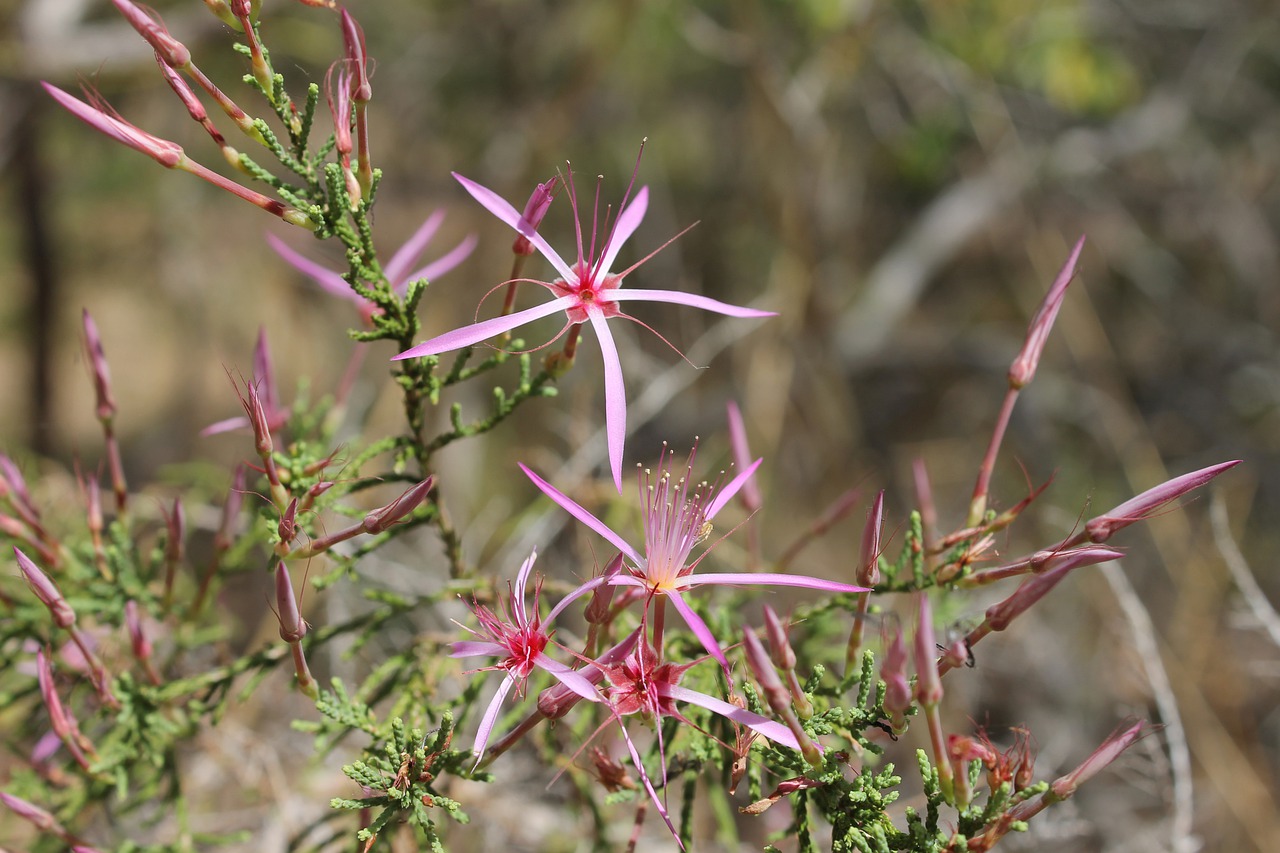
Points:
(869, 558)
(1024, 365)
(1104, 526)
(380, 519)
(46, 591)
(174, 53)
(535, 209)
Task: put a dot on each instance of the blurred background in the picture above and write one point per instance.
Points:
(899, 180)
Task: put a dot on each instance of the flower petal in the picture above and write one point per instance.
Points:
(412, 249)
(575, 681)
(574, 509)
(440, 265)
(326, 278)
(474, 648)
(468, 335)
(768, 579)
(774, 731)
(628, 222)
(490, 718)
(726, 494)
(522, 580)
(615, 395)
(706, 303)
(500, 208)
(699, 628)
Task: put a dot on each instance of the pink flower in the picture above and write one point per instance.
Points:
(677, 514)
(643, 684)
(587, 291)
(519, 640)
(398, 270)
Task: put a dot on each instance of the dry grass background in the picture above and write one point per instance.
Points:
(899, 180)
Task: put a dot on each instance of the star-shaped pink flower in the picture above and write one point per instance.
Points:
(587, 291)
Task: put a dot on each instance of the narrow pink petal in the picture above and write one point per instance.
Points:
(768, 579)
(774, 731)
(571, 507)
(326, 278)
(615, 395)
(490, 718)
(485, 329)
(726, 494)
(574, 595)
(500, 208)
(575, 681)
(699, 629)
(706, 303)
(474, 648)
(522, 580)
(412, 248)
(648, 785)
(226, 426)
(628, 221)
(439, 266)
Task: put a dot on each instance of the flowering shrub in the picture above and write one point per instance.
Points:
(104, 625)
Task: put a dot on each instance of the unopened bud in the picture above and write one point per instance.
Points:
(353, 40)
(1000, 614)
(46, 591)
(98, 364)
(1109, 751)
(166, 153)
(928, 684)
(1023, 368)
(288, 526)
(173, 52)
(597, 612)
(36, 816)
(869, 558)
(292, 627)
(380, 519)
(535, 209)
(783, 656)
(1136, 509)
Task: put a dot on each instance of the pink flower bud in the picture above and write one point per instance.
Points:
(380, 519)
(167, 154)
(893, 672)
(12, 485)
(1033, 589)
(353, 39)
(1023, 368)
(928, 684)
(597, 612)
(223, 539)
(869, 562)
(288, 526)
(762, 668)
(36, 816)
(98, 364)
(1109, 751)
(46, 591)
(292, 627)
(137, 636)
(173, 52)
(1103, 527)
(534, 210)
(783, 656)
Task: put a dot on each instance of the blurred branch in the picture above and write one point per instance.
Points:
(1253, 595)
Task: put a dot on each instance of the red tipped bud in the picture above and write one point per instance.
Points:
(783, 656)
(288, 526)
